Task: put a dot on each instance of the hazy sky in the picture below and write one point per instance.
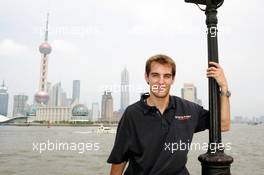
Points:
(94, 40)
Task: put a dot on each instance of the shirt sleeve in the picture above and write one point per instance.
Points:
(120, 149)
(203, 119)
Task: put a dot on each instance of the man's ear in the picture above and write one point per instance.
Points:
(146, 78)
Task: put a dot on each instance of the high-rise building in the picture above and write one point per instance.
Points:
(3, 99)
(57, 96)
(107, 107)
(189, 92)
(69, 102)
(103, 106)
(76, 91)
(95, 112)
(42, 95)
(64, 100)
(20, 105)
(124, 90)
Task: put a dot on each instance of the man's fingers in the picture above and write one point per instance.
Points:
(212, 69)
(210, 76)
(213, 73)
(214, 64)
(215, 76)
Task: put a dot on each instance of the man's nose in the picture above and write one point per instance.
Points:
(161, 80)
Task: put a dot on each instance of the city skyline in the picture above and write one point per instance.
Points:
(93, 47)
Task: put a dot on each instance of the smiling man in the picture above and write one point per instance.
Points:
(150, 127)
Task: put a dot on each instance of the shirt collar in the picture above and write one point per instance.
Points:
(147, 108)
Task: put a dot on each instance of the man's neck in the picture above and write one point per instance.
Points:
(160, 103)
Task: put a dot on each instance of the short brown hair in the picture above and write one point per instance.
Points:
(161, 59)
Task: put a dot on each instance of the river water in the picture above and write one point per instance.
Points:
(81, 151)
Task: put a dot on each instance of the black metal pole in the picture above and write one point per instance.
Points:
(214, 98)
(215, 161)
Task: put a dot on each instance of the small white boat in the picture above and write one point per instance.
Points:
(102, 129)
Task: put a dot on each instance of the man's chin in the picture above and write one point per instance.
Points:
(160, 95)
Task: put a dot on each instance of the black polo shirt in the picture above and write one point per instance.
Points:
(151, 141)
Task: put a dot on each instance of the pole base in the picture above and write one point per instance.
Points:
(215, 163)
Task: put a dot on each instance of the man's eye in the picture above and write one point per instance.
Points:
(167, 76)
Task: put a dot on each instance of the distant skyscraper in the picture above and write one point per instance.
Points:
(124, 90)
(3, 99)
(107, 107)
(42, 96)
(95, 112)
(20, 105)
(69, 102)
(103, 106)
(64, 100)
(76, 91)
(189, 92)
(57, 96)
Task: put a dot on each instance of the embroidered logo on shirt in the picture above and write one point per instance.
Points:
(183, 117)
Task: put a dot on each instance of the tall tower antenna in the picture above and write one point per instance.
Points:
(47, 28)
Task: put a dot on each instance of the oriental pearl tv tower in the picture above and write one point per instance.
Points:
(42, 96)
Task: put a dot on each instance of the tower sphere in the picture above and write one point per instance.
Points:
(45, 48)
(42, 97)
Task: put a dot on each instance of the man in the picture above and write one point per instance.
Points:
(149, 130)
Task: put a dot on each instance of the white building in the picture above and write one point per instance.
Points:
(53, 114)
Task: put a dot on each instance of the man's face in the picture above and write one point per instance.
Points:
(160, 79)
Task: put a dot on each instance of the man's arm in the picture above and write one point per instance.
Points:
(117, 169)
(225, 111)
(217, 73)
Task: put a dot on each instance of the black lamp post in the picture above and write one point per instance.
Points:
(215, 161)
